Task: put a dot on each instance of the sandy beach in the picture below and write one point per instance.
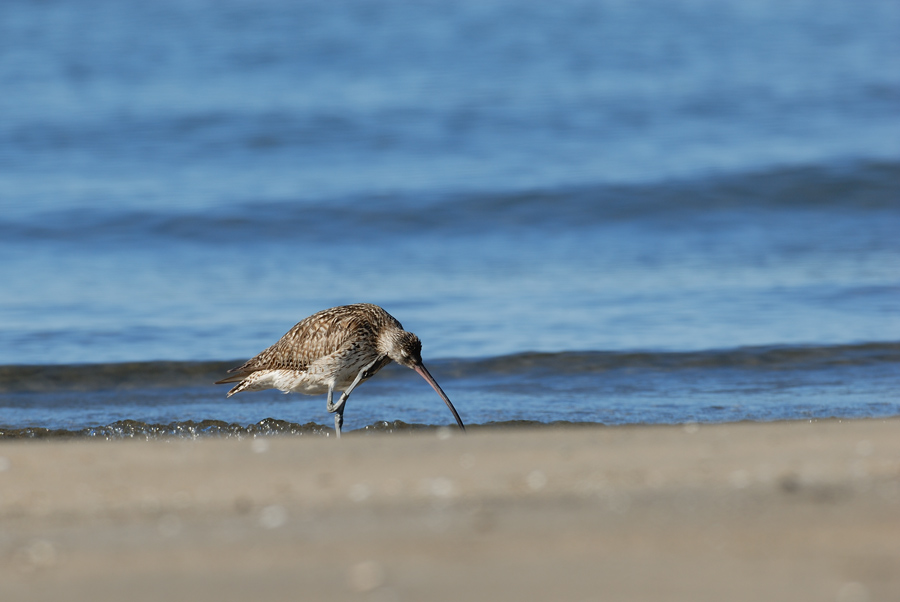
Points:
(776, 511)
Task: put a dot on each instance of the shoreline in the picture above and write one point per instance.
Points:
(213, 429)
(741, 511)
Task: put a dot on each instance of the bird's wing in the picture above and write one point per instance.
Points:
(312, 338)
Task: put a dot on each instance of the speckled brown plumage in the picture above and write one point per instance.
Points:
(338, 331)
(334, 349)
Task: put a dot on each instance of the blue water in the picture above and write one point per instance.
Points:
(182, 181)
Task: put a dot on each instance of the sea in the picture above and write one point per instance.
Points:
(592, 212)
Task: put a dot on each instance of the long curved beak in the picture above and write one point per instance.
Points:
(423, 372)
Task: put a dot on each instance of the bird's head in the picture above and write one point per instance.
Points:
(405, 348)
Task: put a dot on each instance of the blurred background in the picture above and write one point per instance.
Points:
(184, 180)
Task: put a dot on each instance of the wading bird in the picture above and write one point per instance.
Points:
(334, 349)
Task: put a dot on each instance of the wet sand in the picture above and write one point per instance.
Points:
(778, 511)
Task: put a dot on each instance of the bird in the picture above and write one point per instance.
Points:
(334, 349)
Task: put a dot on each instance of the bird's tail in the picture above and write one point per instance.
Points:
(240, 378)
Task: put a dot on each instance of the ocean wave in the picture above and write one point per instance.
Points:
(857, 187)
(744, 358)
(175, 375)
(96, 377)
(189, 429)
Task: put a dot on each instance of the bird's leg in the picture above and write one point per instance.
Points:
(338, 408)
(338, 421)
(340, 403)
(328, 404)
